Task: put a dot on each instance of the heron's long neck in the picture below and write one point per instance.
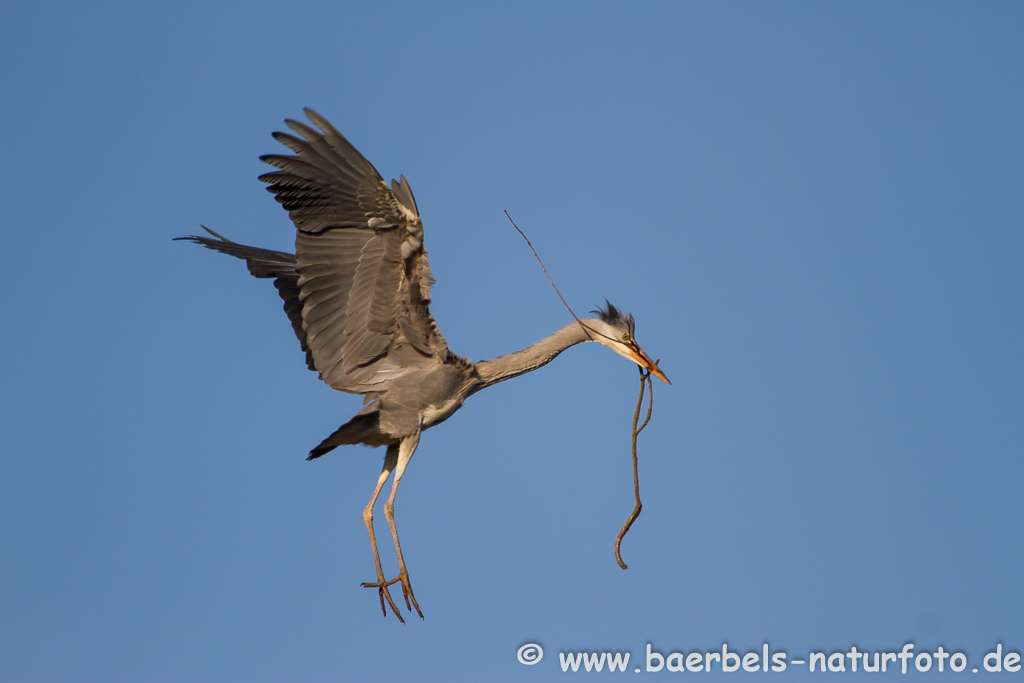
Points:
(532, 357)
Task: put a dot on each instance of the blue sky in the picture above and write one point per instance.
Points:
(814, 211)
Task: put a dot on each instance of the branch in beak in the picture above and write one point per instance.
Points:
(644, 361)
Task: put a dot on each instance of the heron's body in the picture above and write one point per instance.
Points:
(357, 293)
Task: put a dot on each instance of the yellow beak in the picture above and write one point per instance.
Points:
(644, 361)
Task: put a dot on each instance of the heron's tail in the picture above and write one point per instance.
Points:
(363, 428)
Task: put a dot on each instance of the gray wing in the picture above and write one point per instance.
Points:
(266, 263)
(363, 273)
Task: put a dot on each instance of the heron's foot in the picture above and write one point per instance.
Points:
(403, 576)
(382, 586)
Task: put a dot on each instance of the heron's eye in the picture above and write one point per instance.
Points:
(625, 337)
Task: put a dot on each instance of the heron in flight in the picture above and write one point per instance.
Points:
(357, 293)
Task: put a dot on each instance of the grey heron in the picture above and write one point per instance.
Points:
(357, 293)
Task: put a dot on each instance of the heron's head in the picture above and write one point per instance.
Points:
(616, 331)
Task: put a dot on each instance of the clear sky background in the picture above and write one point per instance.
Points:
(814, 210)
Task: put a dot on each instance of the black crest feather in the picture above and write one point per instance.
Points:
(614, 316)
(608, 313)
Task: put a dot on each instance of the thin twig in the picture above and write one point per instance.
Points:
(537, 256)
(644, 376)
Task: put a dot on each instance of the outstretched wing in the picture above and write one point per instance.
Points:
(265, 263)
(363, 274)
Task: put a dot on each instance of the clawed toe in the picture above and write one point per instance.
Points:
(382, 587)
(407, 594)
(384, 593)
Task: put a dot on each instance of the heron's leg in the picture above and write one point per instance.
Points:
(405, 450)
(389, 464)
